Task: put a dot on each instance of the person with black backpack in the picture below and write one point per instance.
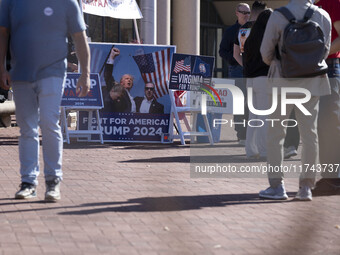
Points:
(295, 45)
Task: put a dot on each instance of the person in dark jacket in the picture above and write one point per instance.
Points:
(113, 101)
(235, 71)
(126, 104)
(148, 103)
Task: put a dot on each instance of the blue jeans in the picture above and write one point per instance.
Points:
(329, 123)
(236, 72)
(38, 104)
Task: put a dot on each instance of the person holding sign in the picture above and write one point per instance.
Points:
(126, 100)
(148, 103)
(38, 31)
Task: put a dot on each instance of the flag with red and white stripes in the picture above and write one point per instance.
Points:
(183, 65)
(155, 68)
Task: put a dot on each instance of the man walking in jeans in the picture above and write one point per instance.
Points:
(38, 33)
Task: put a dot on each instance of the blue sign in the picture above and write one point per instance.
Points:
(190, 72)
(128, 127)
(92, 100)
(132, 111)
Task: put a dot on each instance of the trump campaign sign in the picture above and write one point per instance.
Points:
(127, 116)
(190, 72)
(92, 100)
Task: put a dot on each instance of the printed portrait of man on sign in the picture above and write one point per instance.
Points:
(134, 89)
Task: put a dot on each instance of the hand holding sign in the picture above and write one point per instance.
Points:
(83, 85)
(5, 82)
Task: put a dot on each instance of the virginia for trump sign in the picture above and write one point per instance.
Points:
(190, 72)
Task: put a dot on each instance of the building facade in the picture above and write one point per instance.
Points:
(194, 26)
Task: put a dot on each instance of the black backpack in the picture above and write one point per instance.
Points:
(303, 49)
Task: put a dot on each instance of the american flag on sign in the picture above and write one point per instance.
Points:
(155, 67)
(183, 65)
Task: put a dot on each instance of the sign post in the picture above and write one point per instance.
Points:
(91, 103)
(190, 73)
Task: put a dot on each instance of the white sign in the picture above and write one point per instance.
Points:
(120, 9)
(219, 100)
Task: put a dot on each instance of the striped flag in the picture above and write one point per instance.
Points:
(155, 67)
(183, 65)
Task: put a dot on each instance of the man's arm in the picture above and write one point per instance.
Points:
(270, 39)
(4, 75)
(335, 46)
(108, 68)
(109, 79)
(226, 48)
(83, 54)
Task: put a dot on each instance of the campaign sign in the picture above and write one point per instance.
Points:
(129, 127)
(190, 72)
(218, 100)
(134, 79)
(92, 100)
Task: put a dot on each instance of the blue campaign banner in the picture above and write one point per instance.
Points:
(190, 72)
(92, 100)
(128, 127)
(134, 79)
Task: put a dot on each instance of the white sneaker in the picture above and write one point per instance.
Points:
(27, 190)
(304, 194)
(52, 190)
(278, 193)
(290, 152)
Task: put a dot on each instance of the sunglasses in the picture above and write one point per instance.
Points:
(244, 12)
(152, 89)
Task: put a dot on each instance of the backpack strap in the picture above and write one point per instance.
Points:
(288, 15)
(309, 13)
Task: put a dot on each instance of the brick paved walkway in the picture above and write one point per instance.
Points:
(140, 199)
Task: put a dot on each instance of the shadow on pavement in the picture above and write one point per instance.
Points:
(173, 203)
(240, 158)
(123, 146)
(148, 146)
(144, 204)
(8, 140)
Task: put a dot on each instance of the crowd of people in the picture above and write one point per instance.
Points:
(253, 48)
(258, 37)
